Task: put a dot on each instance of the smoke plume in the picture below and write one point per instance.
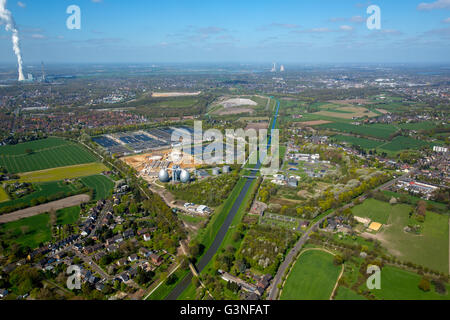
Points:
(10, 25)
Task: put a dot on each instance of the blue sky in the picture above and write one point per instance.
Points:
(287, 31)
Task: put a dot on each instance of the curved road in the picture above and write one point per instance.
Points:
(176, 292)
(273, 294)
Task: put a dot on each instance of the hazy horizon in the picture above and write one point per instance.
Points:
(288, 32)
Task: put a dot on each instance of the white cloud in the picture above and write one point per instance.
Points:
(439, 4)
(38, 36)
(319, 30)
(357, 19)
(21, 4)
(285, 25)
(346, 28)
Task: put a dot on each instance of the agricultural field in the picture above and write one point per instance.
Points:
(398, 284)
(62, 173)
(32, 232)
(43, 154)
(101, 185)
(429, 249)
(404, 143)
(362, 142)
(425, 125)
(379, 131)
(345, 111)
(313, 277)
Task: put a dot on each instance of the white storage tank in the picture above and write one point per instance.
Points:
(185, 177)
(164, 176)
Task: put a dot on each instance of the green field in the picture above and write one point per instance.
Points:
(429, 249)
(381, 131)
(398, 284)
(375, 210)
(32, 232)
(41, 190)
(344, 293)
(3, 195)
(404, 143)
(46, 154)
(71, 172)
(101, 185)
(313, 277)
(426, 125)
(362, 142)
(68, 215)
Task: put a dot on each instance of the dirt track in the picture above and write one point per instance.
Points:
(43, 208)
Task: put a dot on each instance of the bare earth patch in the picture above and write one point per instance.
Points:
(43, 208)
(257, 126)
(238, 102)
(356, 112)
(174, 94)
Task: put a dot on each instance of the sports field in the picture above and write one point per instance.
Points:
(33, 231)
(398, 284)
(375, 210)
(429, 249)
(101, 185)
(71, 172)
(313, 277)
(43, 154)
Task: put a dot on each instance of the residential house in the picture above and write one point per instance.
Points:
(156, 259)
(133, 258)
(128, 234)
(3, 293)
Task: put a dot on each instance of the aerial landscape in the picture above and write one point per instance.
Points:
(293, 151)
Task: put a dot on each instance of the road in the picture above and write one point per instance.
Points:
(273, 294)
(88, 260)
(181, 286)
